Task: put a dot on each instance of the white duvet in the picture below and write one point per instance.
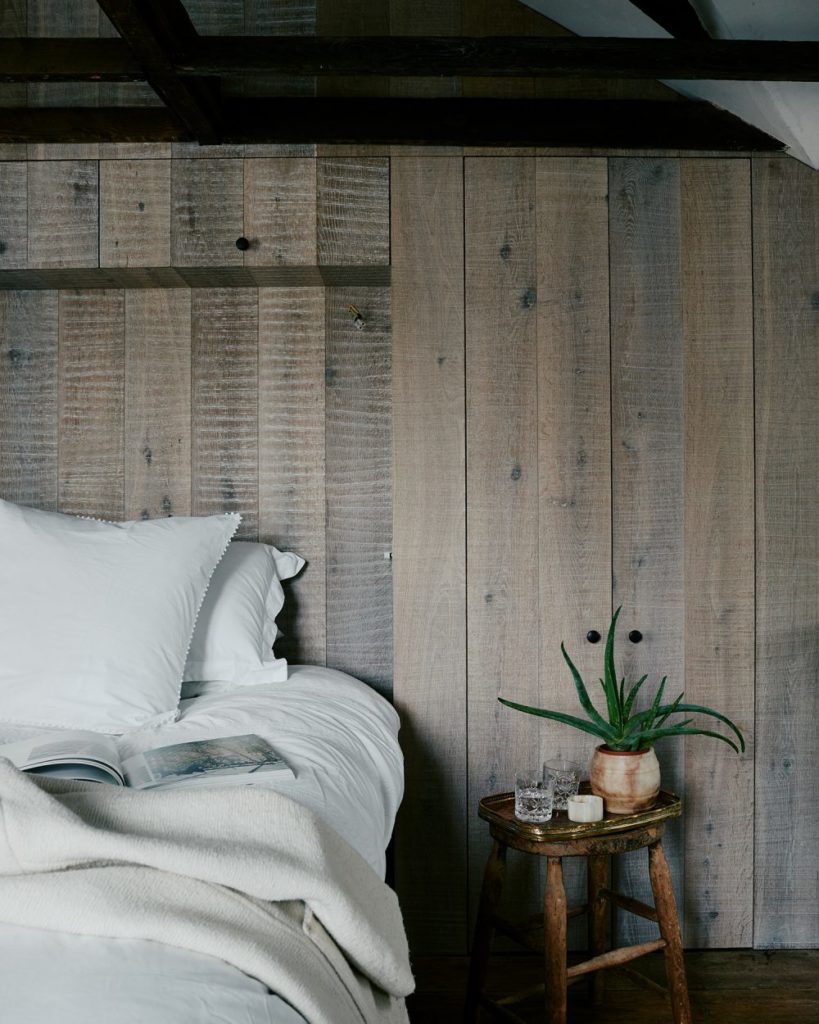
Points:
(341, 739)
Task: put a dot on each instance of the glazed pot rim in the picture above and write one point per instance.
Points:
(621, 753)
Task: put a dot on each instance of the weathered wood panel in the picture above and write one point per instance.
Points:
(429, 545)
(353, 210)
(574, 453)
(13, 215)
(501, 495)
(28, 398)
(786, 226)
(358, 486)
(225, 413)
(647, 460)
(719, 544)
(284, 18)
(55, 19)
(13, 25)
(135, 213)
(280, 211)
(291, 458)
(63, 213)
(157, 403)
(91, 384)
(206, 212)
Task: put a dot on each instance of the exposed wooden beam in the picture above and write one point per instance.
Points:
(601, 124)
(90, 124)
(503, 56)
(153, 29)
(676, 16)
(110, 60)
(68, 60)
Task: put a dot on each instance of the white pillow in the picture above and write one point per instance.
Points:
(96, 617)
(232, 644)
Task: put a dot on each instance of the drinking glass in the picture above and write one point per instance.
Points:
(566, 778)
(533, 796)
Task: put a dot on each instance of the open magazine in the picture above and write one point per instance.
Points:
(94, 757)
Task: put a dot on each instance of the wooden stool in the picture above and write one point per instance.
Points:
(596, 841)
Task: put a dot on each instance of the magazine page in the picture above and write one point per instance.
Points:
(67, 754)
(228, 759)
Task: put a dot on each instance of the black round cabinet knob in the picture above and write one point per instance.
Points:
(593, 636)
(242, 243)
(635, 636)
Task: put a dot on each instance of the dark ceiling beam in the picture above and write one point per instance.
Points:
(503, 56)
(153, 29)
(600, 124)
(90, 124)
(110, 60)
(677, 17)
(68, 60)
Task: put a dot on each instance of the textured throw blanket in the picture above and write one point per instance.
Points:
(240, 873)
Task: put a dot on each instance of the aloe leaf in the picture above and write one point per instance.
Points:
(620, 700)
(632, 696)
(610, 676)
(699, 709)
(558, 716)
(656, 734)
(585, 699)
(665, 710)
(648, 716)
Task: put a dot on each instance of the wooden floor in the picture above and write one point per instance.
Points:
(726, 987)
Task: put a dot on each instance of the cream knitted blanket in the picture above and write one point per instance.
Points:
(241, 873)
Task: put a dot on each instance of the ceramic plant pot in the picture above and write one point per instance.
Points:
(628, 781)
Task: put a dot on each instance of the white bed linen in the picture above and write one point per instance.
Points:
(341, 739)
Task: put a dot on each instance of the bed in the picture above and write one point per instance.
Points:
(260, 902)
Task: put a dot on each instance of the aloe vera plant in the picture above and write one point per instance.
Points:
(623, 728)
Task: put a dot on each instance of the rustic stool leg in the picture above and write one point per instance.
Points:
(670, 930)
(555, 924)
(598, 878)
(482, 943)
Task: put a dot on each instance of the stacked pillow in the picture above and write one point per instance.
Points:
(98, 621)
(232, 644)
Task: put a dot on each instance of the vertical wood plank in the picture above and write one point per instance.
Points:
(786, 312)
(574, 448)
(719, 545)
(291, 458)
(91, 381)
(284, 18)
(429, 524)
(280, 211)
(502, 494)
(157, 403)
(647, 460)
(135, 213)
(63, 212)
(206, 212)
(358, 486)
(13, 215)
(28, 398)
(352, 18)
(353, 210)
(225, 444)
(13, 25)
(56, 19)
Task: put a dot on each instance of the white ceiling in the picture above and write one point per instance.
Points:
(787, 110)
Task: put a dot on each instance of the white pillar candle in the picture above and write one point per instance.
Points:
(585, 808)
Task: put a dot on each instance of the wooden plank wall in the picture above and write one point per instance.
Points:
(266, 401)
(593, 368)
(624, 442)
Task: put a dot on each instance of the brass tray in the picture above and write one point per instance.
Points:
(500, 810)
